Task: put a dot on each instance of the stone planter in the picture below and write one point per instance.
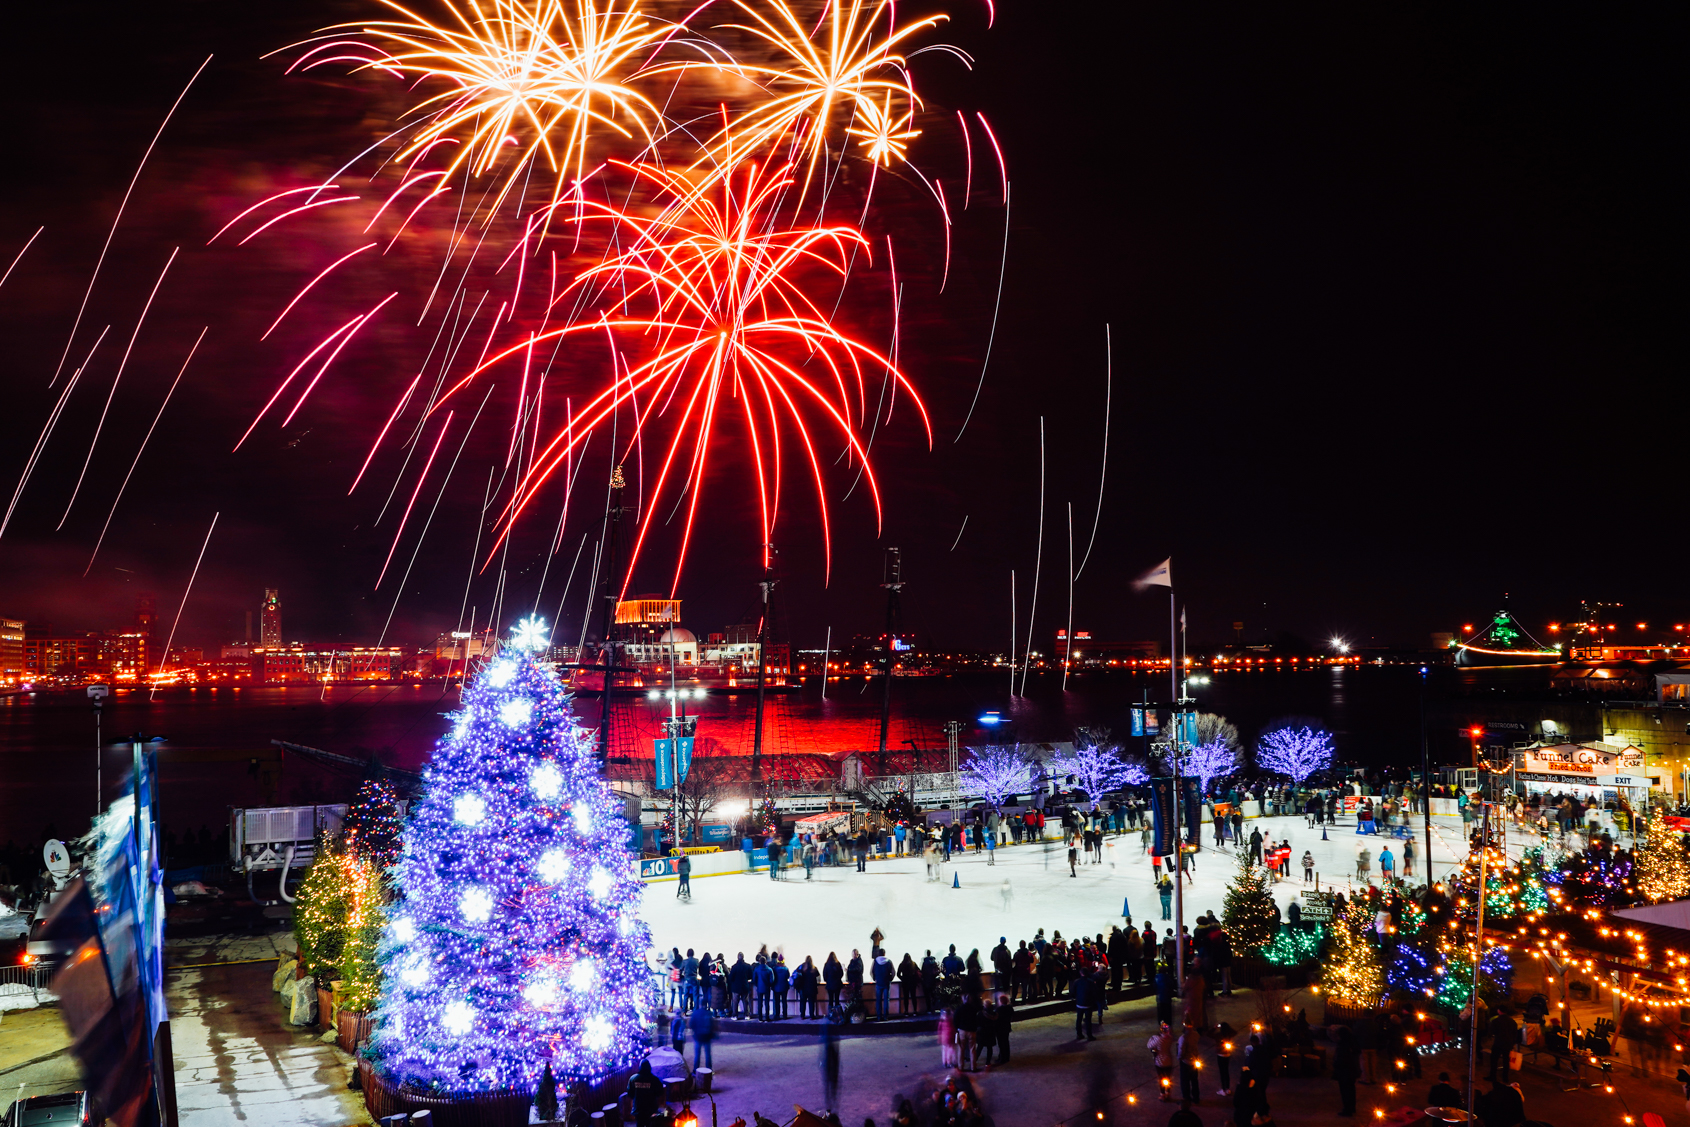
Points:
(483, 1109)
(351, 1028)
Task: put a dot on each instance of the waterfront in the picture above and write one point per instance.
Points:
(213, 735)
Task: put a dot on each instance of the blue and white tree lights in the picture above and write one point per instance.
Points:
(516, 942)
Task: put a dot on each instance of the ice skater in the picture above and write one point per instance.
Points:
(1007, 893)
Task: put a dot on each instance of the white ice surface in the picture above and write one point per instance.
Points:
(839, 908)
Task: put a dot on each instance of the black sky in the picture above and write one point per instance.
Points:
(1391, 293)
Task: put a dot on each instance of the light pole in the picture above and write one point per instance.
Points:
(98, 694)
(676, 728)
(1425, 777)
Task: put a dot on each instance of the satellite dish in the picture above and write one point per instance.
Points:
(57, 857)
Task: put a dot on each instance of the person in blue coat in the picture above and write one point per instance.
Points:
(703, 1024)
(763, 981)
(782, 983)
(883, 973)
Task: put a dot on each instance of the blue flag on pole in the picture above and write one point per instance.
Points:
(665, 764)
(683, 758)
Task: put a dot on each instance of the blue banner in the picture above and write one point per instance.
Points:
(717, 833)
(665, 764)
(1193, 811)
(683, 756)
(1138, 721)
(1162, 816)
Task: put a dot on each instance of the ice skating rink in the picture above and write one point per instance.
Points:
(1027, 889)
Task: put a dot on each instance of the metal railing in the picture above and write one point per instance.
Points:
(34, 979)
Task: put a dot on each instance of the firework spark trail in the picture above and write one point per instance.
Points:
(1003, 167)
(406, 515)
(1038, 563)
(1103, 471)
(475, 554)
(118, 218)
(567, 584)
(325, 343)
(308, 285)
(112, 393)
(142, 450)
(47, 430)
(959, 532)
(967, 160)
(429, 523)
(997, 305)
(1068, 647)
(314, 204)
(21, 253)
(422, 419)
(344, 341)
(1014, 638)
(165, 656)
(404, 399)
(268, 200)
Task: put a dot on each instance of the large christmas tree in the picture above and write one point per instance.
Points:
(1248, 913)
(516, 943)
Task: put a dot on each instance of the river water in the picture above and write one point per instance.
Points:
(47, 740)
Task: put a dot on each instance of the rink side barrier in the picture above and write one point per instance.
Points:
(656, 870)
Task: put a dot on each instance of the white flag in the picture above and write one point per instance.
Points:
(1156, 577)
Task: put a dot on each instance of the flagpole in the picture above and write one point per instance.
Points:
(1179, 797)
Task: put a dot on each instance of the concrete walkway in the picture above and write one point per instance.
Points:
(238, 1062)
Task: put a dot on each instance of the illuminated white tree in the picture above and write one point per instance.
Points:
(1297, 752)
(997, 771)
(1207, 762)
(1097, 769)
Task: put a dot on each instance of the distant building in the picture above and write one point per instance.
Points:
(1091, 651)
(11, 648)
(271, 618)
(281, 665)
(461, 645)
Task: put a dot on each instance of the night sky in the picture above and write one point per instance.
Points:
(1389, 290)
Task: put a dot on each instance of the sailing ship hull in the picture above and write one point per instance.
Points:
(1471, 657)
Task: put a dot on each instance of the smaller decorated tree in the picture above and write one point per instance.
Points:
(1096, 768)
(1296, 752)
(1352, 976)
(1248, 913)
(1206, 762)
(997, 771)
(372, 823)
(1662, 870)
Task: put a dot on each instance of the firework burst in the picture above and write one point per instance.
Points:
(717, 296)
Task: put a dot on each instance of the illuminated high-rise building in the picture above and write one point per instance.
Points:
(271, 618)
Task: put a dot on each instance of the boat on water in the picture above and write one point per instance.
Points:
(1504, 643)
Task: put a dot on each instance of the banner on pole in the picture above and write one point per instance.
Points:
(683, 758)
(1192, 791)
(1162, 816)
(1138, 721)
(665, 764)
